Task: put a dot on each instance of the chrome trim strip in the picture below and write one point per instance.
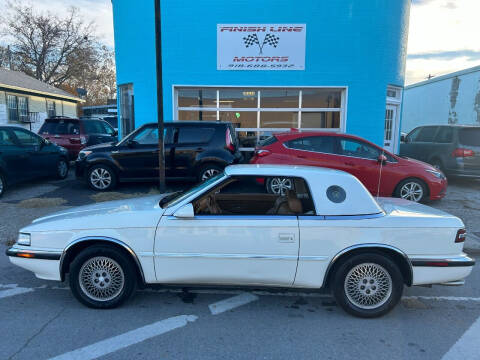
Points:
(355, 217)
(101, 238)
(36, 254)
(236, 217)
(371, 245)
(227, 256)
(312, 258)
(445, 262)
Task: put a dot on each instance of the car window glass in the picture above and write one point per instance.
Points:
(359, 149)
(25, 138)
(322, 144)
(107, 129)
(427, 134)
(93, 127)
(194, 135)
(149, 136)
(412, 137)
(247, 195)
(5, 138)
(470, 136)
(444, 135)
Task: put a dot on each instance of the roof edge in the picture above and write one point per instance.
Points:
(42, 92)
(444, 77)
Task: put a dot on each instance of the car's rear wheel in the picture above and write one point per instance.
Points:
(368, 285)
(412, 189)
(102, 277)
(101, 178)
(3, 185)
(62, 168)
(207, 171)
(279, 185)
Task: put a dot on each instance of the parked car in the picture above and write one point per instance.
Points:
(218, 233)
(193, 150)
(111, 119)
(76, 134)
(382, 172)
(25, 156)
(454, 149)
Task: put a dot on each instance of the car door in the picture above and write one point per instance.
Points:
(41, 160)
(420, 143)
(12, 157)
(247, 248)
(138, 157)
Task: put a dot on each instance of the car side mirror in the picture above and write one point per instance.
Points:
(403, 138)
(382, 159)
(115, 133)
(132, 143)
(185, 212)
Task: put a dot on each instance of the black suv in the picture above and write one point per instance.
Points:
(193, 150)
(454, 149)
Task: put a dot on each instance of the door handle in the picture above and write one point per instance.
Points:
(286, 238)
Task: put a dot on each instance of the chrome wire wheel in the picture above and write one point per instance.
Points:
(280, 186)
(412, 191)
(368, 286)
(100, 178)
(62, 168)
(207, 174)
(101, 278)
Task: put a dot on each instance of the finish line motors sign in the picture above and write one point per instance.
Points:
(261, 46)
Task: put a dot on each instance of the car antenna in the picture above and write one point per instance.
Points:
(380, 174)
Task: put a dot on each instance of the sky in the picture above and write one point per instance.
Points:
(443, 34)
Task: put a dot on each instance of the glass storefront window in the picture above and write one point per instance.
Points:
(240, 119)
(279, 98)
(279, 119)
(192, 115)
(321, 98)
(197, 98)
(238, 98)
(319, 120)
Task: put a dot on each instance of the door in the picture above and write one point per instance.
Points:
(244, 247)
(13, 160)
(313, 151)
(420, 143)
(127, 113)
(391, 129)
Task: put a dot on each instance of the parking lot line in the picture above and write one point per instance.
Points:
(442, 298)
(468, 346)
(231, 303)
(13, 290)
(129, 338)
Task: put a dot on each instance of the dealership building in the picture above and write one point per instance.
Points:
(265, 66)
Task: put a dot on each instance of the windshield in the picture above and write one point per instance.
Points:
(176, 198)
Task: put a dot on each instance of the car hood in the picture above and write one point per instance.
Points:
(418, 163)
(101, 147)
(138, 212)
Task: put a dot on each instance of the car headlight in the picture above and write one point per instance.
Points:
(23, 239)
(83, 154)
(437, 174)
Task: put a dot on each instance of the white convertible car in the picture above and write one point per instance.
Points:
(326, 231)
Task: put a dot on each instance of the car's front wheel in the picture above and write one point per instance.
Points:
(368, 285)
(62, 168)
(279, 185)
(102, 277)
(412, 189)
(101, 178)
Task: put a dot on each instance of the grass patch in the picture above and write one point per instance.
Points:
(34, 203)
(113, 195)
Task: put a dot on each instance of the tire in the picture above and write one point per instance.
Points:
(62, 168)
(356, 297)
(279, 185)
(3, 185)
(437, 163)
(101, 178)
(207, 171)
(412, 189)
(88, 273)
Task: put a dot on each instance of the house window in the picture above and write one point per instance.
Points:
(258, 112)
(51, 108)
(17, 108)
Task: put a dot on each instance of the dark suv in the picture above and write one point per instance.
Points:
(193, 150)
(76, 134)
(454, 149)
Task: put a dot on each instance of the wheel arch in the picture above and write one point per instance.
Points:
(76, 246)
(395, 254)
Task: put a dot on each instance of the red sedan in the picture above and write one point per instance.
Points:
(382, 173)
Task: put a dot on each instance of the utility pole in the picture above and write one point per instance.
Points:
(158, 47)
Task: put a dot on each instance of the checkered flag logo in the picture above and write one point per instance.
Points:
(251, 40)
(271, 40)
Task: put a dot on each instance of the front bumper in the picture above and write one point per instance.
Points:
(80, 166)
(433, 270)
(45, 264)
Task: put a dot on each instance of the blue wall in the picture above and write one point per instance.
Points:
(354, 43)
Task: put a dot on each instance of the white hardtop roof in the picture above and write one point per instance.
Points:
(285, 170)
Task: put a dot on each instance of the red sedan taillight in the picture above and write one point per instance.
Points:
(228, 141)
(461, 235)
(461, 152)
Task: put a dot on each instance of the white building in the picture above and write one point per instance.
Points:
(449, 99)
